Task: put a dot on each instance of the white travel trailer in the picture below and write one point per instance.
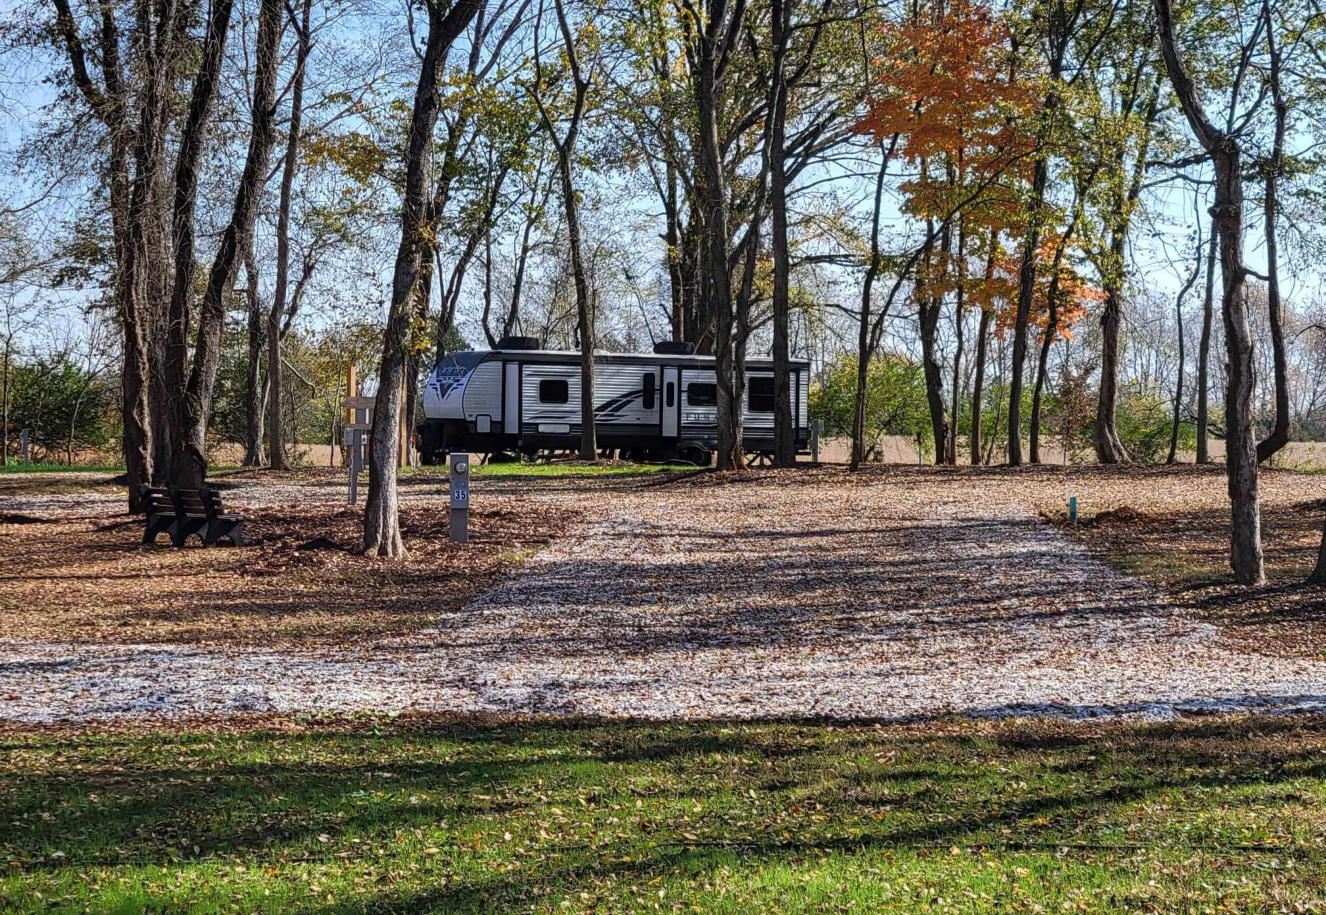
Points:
(649, 406)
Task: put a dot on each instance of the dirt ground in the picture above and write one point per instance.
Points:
(896, 593)
(74, 568)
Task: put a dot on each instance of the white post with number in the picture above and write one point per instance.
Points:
(460, 496)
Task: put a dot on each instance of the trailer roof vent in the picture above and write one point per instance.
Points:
(674, 348)
(520, 343)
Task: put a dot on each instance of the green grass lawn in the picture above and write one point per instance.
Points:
(520, 469)
(350, 816)
(16, 466)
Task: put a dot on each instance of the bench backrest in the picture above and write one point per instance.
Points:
(172, 500)
(155, 499)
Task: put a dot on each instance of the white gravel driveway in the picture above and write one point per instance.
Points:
(818, 598)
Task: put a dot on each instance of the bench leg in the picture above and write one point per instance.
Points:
(225, 530)
(153, 529)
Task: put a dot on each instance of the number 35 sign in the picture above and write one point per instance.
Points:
(460, 496)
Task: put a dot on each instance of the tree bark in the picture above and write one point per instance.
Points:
(1318, 576)
(929, 306)
(1241, 453)
(280, 292)
(1026, 291)
(109, 103)
(255, 391)
(1204, 354)
(566, 147)
(784, 427)
(1105, 437)
(713, 37)
(978, 385)
(1043, 364)
(1047, 339)
(382, 536)
(188, 466)
(1279, 435)
(864, 343)
(959, 303)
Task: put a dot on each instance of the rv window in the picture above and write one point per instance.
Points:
(553, 391)
(701, 395)
(647, 397)
(670, 393)
(761, 396)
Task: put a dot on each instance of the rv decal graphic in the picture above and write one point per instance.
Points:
(448, 377)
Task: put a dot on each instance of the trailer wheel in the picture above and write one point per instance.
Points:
(694, 454)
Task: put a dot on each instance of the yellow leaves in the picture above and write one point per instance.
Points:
(356, 155)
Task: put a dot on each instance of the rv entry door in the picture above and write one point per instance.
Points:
(671, 401)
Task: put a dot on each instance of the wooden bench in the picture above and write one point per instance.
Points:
(181, 512)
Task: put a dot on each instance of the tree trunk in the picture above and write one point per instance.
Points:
(1241, 451)
(1279, 436)
(4, 405)
(188, 467)
(929, 306)
(1204, 354)
(785, 448)
(280, 292)
(382, 535)
(1178, 387)
(672, 238)
(109, 104)
(1105, 437)
(711, 194)
(1318, 576)
(1047, 339)
(959, 332)
(1042, 369)
(864, 343)
(255, 391)
(1026, 291)
(978, 385)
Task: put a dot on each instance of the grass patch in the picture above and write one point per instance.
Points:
(413, 815)
(44, 467)
(520, 469)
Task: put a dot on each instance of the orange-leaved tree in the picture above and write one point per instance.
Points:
(951, 92)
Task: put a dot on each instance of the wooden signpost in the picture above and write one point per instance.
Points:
(358, 422)
(360, 416)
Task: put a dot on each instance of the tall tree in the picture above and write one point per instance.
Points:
(1204, 351)
(717, 24)
(1240, 444)
(129, 83)
(193, 401)
(1062, 20)
(382, 535)
(1273, 168)
(565, 146)
(304, 38)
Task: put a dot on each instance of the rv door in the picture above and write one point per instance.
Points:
(671, 401)
(511, 399)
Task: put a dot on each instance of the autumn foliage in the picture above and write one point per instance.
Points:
(950, 89)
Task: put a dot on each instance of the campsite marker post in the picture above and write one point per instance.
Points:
(23, 446)
(360, 416)
(1072, 510)
(460, 496)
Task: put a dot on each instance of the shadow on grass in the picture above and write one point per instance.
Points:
(791, 790)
